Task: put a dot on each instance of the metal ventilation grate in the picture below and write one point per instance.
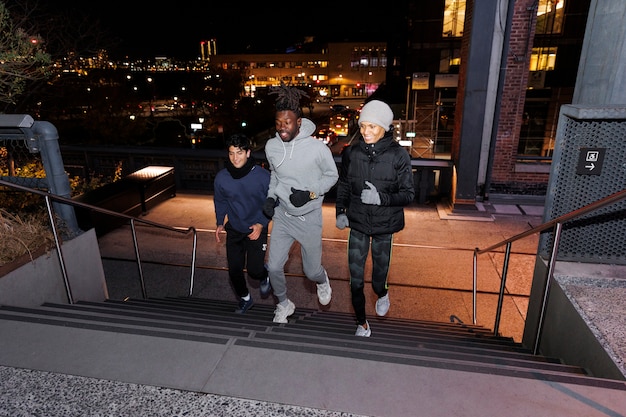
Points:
(599, 237)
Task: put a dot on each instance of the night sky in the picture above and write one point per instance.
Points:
(147, 29)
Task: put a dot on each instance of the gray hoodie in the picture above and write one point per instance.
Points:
(303, 163)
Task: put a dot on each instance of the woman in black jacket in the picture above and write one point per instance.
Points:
(375, 183)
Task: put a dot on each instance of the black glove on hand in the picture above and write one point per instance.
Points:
(268, 207)
(299, 197)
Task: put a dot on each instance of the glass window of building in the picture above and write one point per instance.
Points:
(453, 18)
(542, 59)
(450, 60)
(533, 140)
(550, 16)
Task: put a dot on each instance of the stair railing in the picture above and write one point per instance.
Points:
(557, 225)
(132, 220)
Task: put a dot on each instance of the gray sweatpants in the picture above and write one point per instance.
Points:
(287, 229)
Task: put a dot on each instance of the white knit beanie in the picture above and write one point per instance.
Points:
(377, 112)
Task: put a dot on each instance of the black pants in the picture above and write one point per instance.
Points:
(241, 253)
(358, 249)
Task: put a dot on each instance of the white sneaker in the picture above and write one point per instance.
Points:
(281, 313)
(324, 292)
(362, 331)
(382, 305)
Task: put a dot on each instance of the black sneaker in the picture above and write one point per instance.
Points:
(265, 287)
(244, 306)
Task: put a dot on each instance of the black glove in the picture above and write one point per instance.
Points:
(299, 197)
(268, 207)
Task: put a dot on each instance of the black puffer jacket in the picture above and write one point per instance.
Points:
(386, 165)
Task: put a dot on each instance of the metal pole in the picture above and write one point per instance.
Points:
(544, 303)
(474, 281)
(58, 182)
(141, 280)
(408, 96)
(505, 268)
(193, 261)
(55, 232)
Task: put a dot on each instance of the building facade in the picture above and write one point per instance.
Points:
(339, 69)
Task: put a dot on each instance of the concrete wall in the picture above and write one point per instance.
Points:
(570, 331)
(41, 280)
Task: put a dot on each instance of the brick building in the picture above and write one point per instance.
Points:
(516, 62)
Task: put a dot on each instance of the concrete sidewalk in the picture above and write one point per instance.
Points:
(430, 277)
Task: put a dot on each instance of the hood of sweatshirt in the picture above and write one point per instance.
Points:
(304, 163)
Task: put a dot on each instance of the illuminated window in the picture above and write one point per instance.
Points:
(453, 18)
(550, 16)
(542, 59)
(372, 57)
(450, 58)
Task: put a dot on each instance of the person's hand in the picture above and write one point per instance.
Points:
(299, 197)
(255, 231)
(342, 221)
(370, 195)
(219, 229)
(268, 207)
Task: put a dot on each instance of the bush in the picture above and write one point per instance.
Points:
(23, 235)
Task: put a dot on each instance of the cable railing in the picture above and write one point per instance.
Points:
(557, 225)
(132, 221)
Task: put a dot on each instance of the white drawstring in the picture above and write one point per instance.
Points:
(284, 154)
(291, 215)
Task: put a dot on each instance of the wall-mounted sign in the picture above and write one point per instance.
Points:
(420, 81)
(446, 80)
(590, 161)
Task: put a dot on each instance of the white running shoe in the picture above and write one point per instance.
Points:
(324, 292)
(382, 305)
(281, 313)
(362, 331)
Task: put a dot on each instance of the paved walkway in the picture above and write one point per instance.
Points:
(430, 277)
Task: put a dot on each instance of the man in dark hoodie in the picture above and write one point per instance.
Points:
(302, 171)
(240, 191)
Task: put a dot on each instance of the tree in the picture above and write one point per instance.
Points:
(22, 59)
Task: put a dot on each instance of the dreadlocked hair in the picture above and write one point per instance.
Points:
(288, 98)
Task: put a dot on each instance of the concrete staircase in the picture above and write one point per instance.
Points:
(313, 361)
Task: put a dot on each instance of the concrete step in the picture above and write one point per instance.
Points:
(309, 331)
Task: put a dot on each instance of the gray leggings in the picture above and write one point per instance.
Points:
(287, 229)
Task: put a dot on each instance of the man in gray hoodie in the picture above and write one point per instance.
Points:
(302, 171)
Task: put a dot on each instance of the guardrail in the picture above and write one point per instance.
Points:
(132, 220)
(557, 225)
(195, 169)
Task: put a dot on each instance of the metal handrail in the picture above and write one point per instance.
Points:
(557, 225)
(48, 196)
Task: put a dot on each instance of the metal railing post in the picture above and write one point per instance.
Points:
(505, 269)
(544, 302)
(137, 258)
(57, 242)
(474, 285)
(193, 261)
